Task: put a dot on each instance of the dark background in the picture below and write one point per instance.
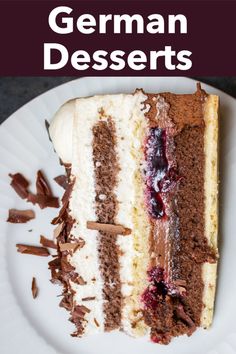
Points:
(16, 91)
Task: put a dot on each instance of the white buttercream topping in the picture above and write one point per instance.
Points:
(82, 205)
(60, 131)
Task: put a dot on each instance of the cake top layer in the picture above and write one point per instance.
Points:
(184, 109)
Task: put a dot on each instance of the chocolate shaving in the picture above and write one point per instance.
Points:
(34, 250)
(43, 201)
(20, 184)
(70, 246)
(79, 280)
(66, 266)
(47, 125)
(67, 194)
(34, 288)
(58, 230)
(42, 185)
(89, 298)
(47, 243)
(56, 278)
(44, 197)
(67, 168)
(62, 271)
(62, 181)
(109, 228)
(65, 202)
(77, 314)
(96, 322)
(20, 216)
(55, 263)
(83, 308)
(67, 302)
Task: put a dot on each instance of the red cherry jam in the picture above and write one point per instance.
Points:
(156, 274)
(160, 177)
(158, 288)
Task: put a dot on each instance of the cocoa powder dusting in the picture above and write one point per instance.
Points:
(184, 110)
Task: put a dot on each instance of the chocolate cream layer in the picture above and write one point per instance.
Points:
(174, 177)
(106, 170)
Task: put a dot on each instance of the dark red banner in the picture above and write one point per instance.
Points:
(95, 39)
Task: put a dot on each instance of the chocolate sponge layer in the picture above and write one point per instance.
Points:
(106, 169)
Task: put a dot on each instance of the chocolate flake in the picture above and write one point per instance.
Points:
(79, 280)
(62, 181)
(34, 288)
(47, 243)
(42, 185)
(55, 263)
(47, 125)
(84, 309)
(109, 228)
(67, 302)
(20, 216)
(67, 194)
(34, 250)
(89, 298)
(66, 266)
(62, 271)
(65, 201)
(58, 230)
(20, 184)
(69, 246)
(43, 201)
(96, 322)
(44, 197)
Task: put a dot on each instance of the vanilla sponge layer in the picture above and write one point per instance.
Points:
(211, 108)
(130, 131)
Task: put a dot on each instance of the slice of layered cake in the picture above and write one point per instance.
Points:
(137, 232)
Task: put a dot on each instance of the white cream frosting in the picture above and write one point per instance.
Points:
(82, 205)
(60, 131)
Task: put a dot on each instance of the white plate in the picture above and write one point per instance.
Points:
(40, 326)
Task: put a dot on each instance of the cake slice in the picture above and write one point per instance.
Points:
(137, 232)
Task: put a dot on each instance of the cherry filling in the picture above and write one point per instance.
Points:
(160, 177)
(154, 299)
(159, 288)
